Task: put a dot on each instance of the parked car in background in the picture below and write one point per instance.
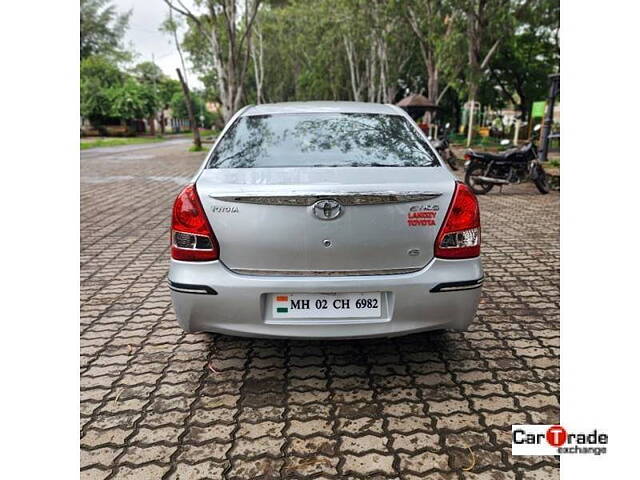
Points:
(324, 220)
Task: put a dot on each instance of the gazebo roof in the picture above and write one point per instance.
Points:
(416, 100)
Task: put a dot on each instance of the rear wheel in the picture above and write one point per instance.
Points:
(479, 188)
(541, 180)
(452, 160)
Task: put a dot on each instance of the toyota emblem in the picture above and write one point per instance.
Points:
(327, 209)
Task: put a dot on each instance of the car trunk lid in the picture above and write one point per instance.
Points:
(326, 221)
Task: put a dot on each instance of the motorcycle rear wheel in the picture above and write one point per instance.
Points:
(479, 188)
(541, 180)
(452, 160)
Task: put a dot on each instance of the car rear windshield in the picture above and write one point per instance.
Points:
(322, 140)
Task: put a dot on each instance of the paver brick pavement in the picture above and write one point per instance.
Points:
(159, 403)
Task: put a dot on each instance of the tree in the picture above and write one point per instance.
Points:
(437, 27)
(102, 30)
(224, 23)
(367, 27)
(179, 105)
(368, 50)
(521, 66)
(97, 76)
(148, 72)
(150, 75)
(131, 100)
(167, 88)
(107, 94)
(486, 22)
(328, 49)
(171, 26)
(257, 61)
(301, 55)
(190, 110)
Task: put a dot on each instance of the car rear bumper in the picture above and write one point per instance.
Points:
(209, 297)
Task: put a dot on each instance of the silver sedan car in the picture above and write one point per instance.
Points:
(324, 220)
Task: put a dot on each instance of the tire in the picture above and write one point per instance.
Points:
(478, 188)
(541, 180)
(452, 160)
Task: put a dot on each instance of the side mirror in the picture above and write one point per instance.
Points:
(505, 142)
(429, 138)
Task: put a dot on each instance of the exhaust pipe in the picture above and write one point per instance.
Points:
(495, 181)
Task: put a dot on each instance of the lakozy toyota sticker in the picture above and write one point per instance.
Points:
(556, 440)
(422, 215)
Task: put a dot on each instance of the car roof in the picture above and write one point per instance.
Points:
(321, 107)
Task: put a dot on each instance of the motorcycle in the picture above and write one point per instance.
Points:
(444, 149)
(485, 170)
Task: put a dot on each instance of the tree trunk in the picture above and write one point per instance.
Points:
(192, 119)
(372, 73)
(257, 55)
(354, 74)
(473, 91)
(152, 125)
(162, 122)
(554, 90)
(433, 86)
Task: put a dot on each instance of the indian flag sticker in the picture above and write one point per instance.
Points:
(282, 303)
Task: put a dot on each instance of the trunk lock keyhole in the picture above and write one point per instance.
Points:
(327, 243)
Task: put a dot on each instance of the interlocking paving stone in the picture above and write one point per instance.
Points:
(410, 407)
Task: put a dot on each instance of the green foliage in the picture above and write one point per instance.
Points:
(132, 100)
(102, 30)
(371, 50)
(521, 67)
(179, 108)
(441, 28)
(97, 76)
(109, 94)
(101, 71)
(303, 48)
(148, 73)
(166, 89)
(163, 87)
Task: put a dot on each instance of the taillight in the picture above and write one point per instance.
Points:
(459, 236)
(467, 156)
(192, 238)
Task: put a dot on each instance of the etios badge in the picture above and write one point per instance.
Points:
(327, 209)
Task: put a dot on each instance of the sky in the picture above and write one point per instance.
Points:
(144, 38)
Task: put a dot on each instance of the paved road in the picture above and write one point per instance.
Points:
(158, 403)
(122, 149)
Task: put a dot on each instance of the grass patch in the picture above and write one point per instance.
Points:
(209, 133)
(195, 148)
(115, 142)
(476, 141)
(204, 132)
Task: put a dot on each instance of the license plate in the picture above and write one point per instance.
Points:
(327, 305)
